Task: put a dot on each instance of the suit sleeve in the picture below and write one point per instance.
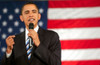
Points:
(7, 61)
(51, 55)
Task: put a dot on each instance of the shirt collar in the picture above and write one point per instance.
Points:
(26, 31)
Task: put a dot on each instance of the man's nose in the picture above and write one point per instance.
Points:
(31, 15)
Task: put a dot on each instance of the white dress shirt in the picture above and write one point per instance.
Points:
(26, 36)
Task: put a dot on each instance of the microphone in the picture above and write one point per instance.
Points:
(31, 26)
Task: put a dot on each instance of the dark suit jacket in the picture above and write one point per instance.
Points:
(47, 53)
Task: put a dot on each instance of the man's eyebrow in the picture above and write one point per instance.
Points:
(26, 10)
(34, 10)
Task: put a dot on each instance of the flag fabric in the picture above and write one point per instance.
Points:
(77, 23)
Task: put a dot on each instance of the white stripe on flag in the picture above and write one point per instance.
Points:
(78, 33)
(73, 13)
(80, 54)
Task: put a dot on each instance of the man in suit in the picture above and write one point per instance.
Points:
(46, 48)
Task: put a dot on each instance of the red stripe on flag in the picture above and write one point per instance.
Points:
(76, 23)
(71, 23)
(80, 44)
(73, 3)
(88, 62)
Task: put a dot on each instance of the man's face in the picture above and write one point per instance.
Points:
(30, 15)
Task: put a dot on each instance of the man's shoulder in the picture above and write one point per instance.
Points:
(49, 32)
(20, 34)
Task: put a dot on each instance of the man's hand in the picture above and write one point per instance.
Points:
(10, 43)
(34, 36)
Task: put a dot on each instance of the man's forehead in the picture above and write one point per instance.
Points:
(30, 5)
(30, 10)
(27, 7)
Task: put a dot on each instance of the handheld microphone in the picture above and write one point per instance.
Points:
(31, 26)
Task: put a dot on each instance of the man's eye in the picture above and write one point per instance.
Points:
(34, 11)
(26, 12)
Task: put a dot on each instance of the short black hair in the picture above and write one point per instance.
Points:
(27, 4)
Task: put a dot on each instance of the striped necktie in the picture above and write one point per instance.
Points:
(28, 48)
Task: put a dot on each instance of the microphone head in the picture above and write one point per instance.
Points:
(31, 26)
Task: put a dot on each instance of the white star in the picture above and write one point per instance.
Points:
(17, 10)
(4, 23)
(40, 23)
(41, 10)
(21, 29)
(5, 10)
(10, 17)
(0, 16)
(3, 49)
(10, 30)
(4, 36)
(16, 23)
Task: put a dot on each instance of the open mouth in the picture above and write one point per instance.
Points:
(31, 19)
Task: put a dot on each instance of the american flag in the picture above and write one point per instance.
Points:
(76, 21)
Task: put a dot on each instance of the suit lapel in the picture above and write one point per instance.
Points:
(20, 47)
(40, 33)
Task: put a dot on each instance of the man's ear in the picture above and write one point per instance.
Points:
(21, 18)
(39, 16)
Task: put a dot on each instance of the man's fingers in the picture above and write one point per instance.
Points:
(29, 34)
(32, 31)
(10, 40)
(12, 36)
(11, 43)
